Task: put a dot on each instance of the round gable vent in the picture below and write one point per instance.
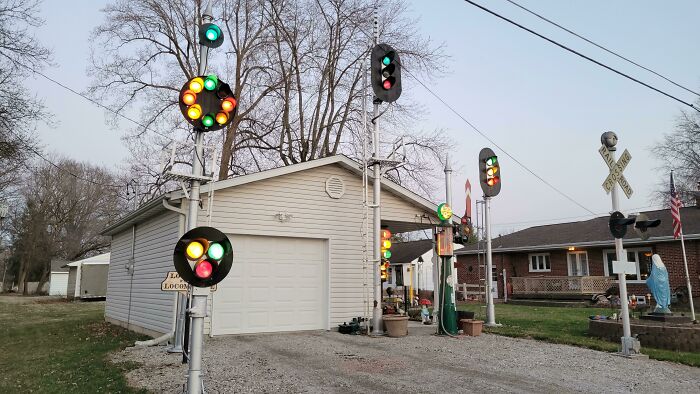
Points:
(335, 187)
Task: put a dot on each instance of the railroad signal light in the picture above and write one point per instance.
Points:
(385, 243)
(207, 103)
(618, 224)
(386, 73)
(203, 256)
(489, 173)
(642, 224)
(384, 270)
(210, 35)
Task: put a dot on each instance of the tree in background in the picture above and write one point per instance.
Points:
(19, 110)
(66, 206)
(679, 150)
(294, 65)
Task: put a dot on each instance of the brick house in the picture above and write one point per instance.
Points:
(574, 260)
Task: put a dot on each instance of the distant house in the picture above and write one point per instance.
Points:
(412, 264)
(574, 260)
(87, 278)
(58, 278)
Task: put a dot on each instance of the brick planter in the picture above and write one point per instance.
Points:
(684, 338)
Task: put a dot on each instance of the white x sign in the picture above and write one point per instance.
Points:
(616, 169)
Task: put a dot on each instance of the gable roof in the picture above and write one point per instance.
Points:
(406, 252)
(99, 259)
(158, 205)
(593, 232)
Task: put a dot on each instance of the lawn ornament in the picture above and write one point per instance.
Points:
(659, 286)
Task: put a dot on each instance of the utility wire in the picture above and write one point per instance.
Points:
(582, 55)
(602, 47)
(575, 217)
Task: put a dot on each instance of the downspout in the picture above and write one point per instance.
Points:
(170, 335)
(130, 271)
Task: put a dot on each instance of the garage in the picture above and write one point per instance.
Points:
(275, 284)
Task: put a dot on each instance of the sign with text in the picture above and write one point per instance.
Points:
(616, 169)
(173, 282)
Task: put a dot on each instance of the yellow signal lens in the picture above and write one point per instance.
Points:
(386, 244)
(197, 84)
(492, 171)
(189, 97)
(194, 250)
(221, 118)
(194, 112)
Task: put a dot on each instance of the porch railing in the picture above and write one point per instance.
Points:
(563, 285)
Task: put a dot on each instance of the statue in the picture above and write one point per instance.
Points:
(659, 286)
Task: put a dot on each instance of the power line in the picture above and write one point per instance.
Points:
(602, 47)
(637, 209)
(582, 55)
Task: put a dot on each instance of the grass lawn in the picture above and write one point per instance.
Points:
(563, 325)
(60, 348)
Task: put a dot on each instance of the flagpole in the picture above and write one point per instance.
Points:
(687, 279)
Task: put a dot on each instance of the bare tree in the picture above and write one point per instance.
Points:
(679, 150)
(295, 67)
(66, 206)
(19, 109)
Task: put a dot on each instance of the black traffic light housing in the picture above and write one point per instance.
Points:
(461, 231)
(386, 73)
(489, 172)
(642, 225)
(203, 256)
(207, 103)
(210, 35)
(618, 224)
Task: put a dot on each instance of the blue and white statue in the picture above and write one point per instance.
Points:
(658, 284)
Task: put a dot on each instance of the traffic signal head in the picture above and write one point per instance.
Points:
(384, 270)
(207, 103)
(203, 256)
(642, 225)
(461, 231)
(386, 73)
(618, 224)
(210, 35)
(385, 244)
(489, 173)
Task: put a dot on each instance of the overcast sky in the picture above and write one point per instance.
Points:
(543, 105)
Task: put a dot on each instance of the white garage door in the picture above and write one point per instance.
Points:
(275, 284)
(58, 283)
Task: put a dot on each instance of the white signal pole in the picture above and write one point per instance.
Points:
(377, 210)
(490, 309)
(199, 294)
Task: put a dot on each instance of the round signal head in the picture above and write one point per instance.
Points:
(189, 97)
(203, 269)
(215, 251)
(194, 250)
(386, 244)
(221, 117)
(212, 33)
(386, 234)
(196, 85)
(208, 120)
(386, 60)
(492, 161)
(387, 254)
(228, 104)
(194, 111)
(444, 212)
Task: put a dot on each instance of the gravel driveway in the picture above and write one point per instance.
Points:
(322, 362)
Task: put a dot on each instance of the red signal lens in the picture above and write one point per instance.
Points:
(203, 269)
(386, 84)
(386, 234)
(189, 97)
(229, 104)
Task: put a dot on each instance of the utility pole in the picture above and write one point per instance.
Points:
(447, 316)
(198, 310)
(377, 210)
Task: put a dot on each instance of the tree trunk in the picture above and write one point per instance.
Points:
(44, 278)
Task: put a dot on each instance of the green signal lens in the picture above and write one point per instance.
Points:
(492, 161)
(386, 60)
(211, 82)
(387, 254)
(212, 33)
(216, 251)
(208, 120)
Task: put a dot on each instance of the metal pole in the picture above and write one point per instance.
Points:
(626, 339)
(448, 200)
(199, 295)
(687, 280)
(490, 310)
(377, 216)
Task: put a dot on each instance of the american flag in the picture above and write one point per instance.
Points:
(675, 210)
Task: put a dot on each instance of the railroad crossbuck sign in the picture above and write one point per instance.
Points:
(616, 170)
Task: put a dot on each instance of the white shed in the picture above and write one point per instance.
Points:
(58, 278)
(88, 277)
(297, 236)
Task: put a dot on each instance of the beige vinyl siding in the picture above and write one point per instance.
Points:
(148, 307)
(251, 209)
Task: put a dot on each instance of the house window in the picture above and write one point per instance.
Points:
(399, 275)
(540, 263)
(578, 263)
(640, 256)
